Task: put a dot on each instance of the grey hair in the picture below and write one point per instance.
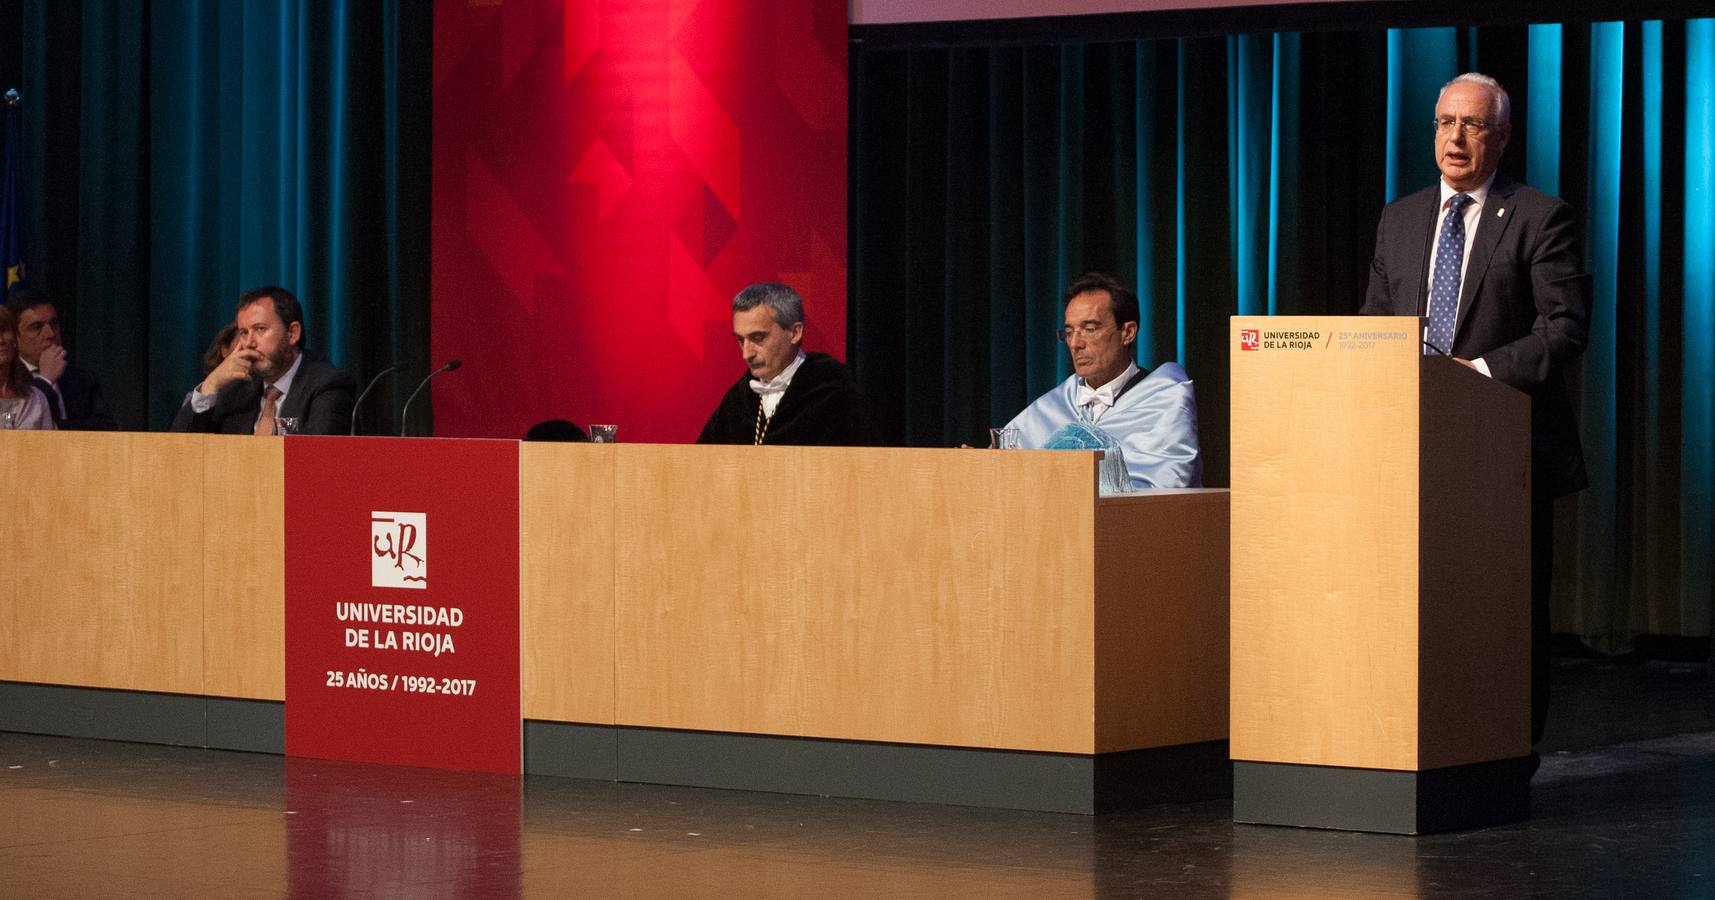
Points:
(1503, 104)
(781, 300)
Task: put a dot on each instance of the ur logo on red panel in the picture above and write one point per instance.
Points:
(1248, 339)
(399, 550)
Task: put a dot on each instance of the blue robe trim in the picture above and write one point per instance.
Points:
(1154, 423)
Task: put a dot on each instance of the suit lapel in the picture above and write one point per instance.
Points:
(302, 384)
(53, 398)
(293, 406)
(1424, 211)
(237, 406)
(1490, 226)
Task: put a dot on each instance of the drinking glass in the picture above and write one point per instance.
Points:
(604, 434)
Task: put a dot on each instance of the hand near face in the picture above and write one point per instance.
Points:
(237, 366)
(53, 363)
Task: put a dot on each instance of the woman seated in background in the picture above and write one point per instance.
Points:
(219, 348)
(21, 404)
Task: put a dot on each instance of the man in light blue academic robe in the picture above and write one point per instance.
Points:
(1150, 416)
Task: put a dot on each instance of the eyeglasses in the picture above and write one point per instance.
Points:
(1471, 127)
(1089, 330)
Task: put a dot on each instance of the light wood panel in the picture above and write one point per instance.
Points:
(106, 559)
(921, 596)
(710, 587)
(1041, 579)
(1325, 552)
(915, 596)
(1474, 630)
(566, 574)
(1161, 568)
(948, 598)
(244, 566)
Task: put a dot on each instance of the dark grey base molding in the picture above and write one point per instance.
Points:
(218, 723)
(963, 776)
(1433, 800)
(1052, 782)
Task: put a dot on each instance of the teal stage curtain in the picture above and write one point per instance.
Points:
(179, 153)
(1244, 174)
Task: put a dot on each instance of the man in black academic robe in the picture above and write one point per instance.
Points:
(787, 396)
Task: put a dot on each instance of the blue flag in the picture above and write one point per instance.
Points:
(12, 194)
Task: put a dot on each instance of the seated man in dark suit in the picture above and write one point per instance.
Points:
(74, 396)
(269, 375)
(785, 396)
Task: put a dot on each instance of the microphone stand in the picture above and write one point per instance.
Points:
(360, 397)
(404, 415)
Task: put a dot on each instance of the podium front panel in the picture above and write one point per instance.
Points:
(1325, 540)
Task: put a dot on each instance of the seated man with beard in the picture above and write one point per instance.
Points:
(270, 374)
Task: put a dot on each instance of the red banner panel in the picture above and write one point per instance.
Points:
(607, 175)
(402, 602)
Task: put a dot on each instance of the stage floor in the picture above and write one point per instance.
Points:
(1624, 805)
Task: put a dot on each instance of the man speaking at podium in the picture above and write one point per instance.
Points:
(1497, 268)
(268, 375)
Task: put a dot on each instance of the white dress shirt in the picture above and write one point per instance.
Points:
(775, 388)
(1096, 401)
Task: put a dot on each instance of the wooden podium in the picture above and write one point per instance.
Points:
(1380, 581)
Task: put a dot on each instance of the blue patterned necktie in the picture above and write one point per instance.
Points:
(1449, 261)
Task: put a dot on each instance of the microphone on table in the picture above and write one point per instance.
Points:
(372, 383)
(404, 420)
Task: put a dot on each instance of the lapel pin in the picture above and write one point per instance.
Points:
(1500, 212)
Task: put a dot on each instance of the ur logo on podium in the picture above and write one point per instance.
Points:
(399, 547)
(1248, 339)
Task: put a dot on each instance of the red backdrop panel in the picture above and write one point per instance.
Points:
(607, 174)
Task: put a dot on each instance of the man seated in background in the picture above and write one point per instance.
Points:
(73, 395)
(1151, 416)
(269, 375)
(787, 396)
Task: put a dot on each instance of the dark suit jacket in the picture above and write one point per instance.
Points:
(1524, 305)
(84, 409)
(321, 398)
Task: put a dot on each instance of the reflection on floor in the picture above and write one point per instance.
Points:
(1624, 805)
